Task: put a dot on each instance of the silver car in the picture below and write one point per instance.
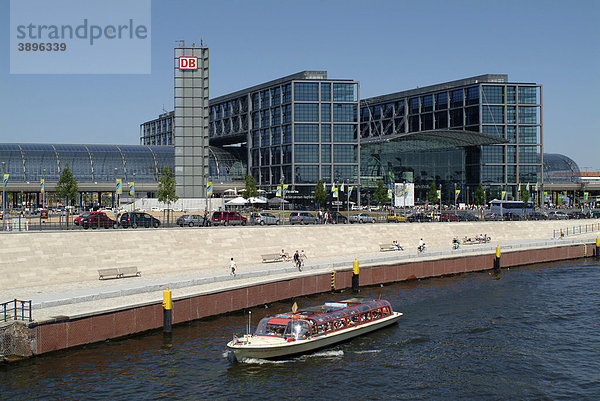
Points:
(558, 215)
(361, 218)
(263, 218)
(191, 220)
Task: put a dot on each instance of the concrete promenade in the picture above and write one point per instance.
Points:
(58, 271)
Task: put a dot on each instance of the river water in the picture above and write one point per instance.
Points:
(529, 333)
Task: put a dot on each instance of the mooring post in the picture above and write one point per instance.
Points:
(355, 272)
(497, 258)
(167, 305)
(333, 281)
(597, 247)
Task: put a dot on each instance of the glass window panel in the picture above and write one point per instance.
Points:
(344, 173)
(306, 133)
(306, 153)
(344, 133)
(306, 112)
(344, 92)
(472, 95)
(527, 154)
(511, 133)
(305, 91)
(441, 120)
(326, 112)
(492, 114)
(275, 136)
(528, 135)
(306, 174)
(492, 154)
(511, 97)
(511, 114)
(441, 101)
(345, 112)
(456, 118)
(426, 122)
(345, 154)
(426, 103)
(325, 133)
(528, 115)
(413, 105)
(528, 95)
(493, 94)
(325, 153)
(457, 98)
(286, 134)
(492, 174)
(325, 92)
(326, 173)
(472, 115)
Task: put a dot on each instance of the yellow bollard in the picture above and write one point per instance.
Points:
(167, 305)
(355, 272)
(597, 247)
(332, 281)
(497, 258)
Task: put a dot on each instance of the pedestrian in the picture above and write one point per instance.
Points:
(205, 218)
(302, 257)
(297, 260)
(233, 266)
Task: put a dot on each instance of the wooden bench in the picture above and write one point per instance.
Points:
(118, 272)
(389, 247)
(273, 257)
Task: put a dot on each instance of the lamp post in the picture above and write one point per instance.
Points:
(116, 195)
(44, 193)
(133, 208)
(455, 213)
(403, 200)
(282, 199)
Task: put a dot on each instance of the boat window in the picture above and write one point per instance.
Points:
(376, 314)
(267, 328)
(297, 329)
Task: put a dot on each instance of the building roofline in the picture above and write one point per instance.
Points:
(485, 78)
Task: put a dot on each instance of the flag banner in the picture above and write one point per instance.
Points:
(439, 193)
(132, 189)
(342, 187)
(285, 188)
(350, 188)
(586, 195)
(119, 186)
(503, 195)
(390, 194)
(6, 177)
(209, 188)
(536, 187)
(456, 193)
(527, 187)
(334, 191)
(42, 185)
(278, 193)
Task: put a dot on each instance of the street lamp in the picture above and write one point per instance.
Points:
(3, 195)
(44, 193)
(133, 193)
(116, 195)
(282, 199)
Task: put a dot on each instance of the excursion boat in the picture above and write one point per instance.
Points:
(304, 330)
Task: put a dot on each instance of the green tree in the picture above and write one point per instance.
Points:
(432, 195)
(381, 193)
(320, 194)
(67, 188)
(524, 195)
(480, 195)
(166, 189)
(251, 190)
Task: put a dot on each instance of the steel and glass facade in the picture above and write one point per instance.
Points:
(488, 105)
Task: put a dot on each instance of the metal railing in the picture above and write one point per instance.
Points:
(15, 310)
(574, 230)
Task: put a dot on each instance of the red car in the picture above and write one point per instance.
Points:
(449, 217)
(97, 220)
(79, 219)
(227, 218)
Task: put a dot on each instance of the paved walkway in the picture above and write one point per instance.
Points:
(83, 298)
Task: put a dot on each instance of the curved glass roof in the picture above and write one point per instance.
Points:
(560, 168)
(101, 163)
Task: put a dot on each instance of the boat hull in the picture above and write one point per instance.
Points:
(279, 348)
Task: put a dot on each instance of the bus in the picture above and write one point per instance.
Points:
(515, 207)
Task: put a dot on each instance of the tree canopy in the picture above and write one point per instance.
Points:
(166, 187)
(67, 187)
(381, 193)
(480, 198)
(320, 194)
(251, 190)
(432, 196)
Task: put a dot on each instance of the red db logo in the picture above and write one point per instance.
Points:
(188, 63)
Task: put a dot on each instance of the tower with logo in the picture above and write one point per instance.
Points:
(191, 121)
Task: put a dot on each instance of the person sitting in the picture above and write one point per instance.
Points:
(397, 245)
(455, 243)
(284, 256)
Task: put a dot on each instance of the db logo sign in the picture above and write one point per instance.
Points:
(188, 63)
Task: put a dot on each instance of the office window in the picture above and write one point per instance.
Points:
(511, 133)
(511, 114)
(345, 153)
(399, 108)
(307, 174)
(275, 96)
(287, 93)
(493, 94)
(287, 155)
(426, 103)
(304, 91)
(275, 135)
(413, 123)
(492, 114)
(276, 116)
(426, 122)
(511, 154)
(345, 112)
(511, 97)
(326, 153)
(441, 119)
(413, 105)
(344, 173)
(326, 112)
(286, 114)
(441, 101)
(492, 154)
(265, 99)
(306, 112)
(265, 137)
(471, 115)
(344, 92)
(456, 118)
(457, 98)
(306, 133)
(472, 95)
(528, 95)
(528, 115)
(492, 174)
(528, 134)
(344, 133)
(528, 154)
(306, 153)
(286, 134)
(326, 174)
(497, 130)
(325, 133)
(325, 92)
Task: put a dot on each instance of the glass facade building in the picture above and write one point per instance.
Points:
(439, 121)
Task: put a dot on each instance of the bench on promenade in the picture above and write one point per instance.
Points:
(274, 257)
(390, 247)
(118, 272)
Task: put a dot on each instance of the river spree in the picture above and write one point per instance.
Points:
(528, 333)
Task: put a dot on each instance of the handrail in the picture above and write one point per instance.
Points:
(7, 313)
(589, 228)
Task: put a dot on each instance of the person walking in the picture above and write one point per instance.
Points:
(232, 265)
(297, 260)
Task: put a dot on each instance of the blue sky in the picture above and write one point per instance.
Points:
(388, 46)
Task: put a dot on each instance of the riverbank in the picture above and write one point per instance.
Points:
(72, 313)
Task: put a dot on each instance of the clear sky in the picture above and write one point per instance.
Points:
(388, 46)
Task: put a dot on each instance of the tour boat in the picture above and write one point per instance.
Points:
(304, 330)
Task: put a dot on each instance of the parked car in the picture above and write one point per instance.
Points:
(418, 217)
(596, 213)
(557, 215)
(302, 218)
(361, 218)
(228, 218)
(537, 215)
(137, 219)
(446, 216)
(191, 220)
(338, 218)
(577, 214)
(465, 216)
(77, 220)
(263, 218)
(492, 217)
(395, 217)
(97, 220)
